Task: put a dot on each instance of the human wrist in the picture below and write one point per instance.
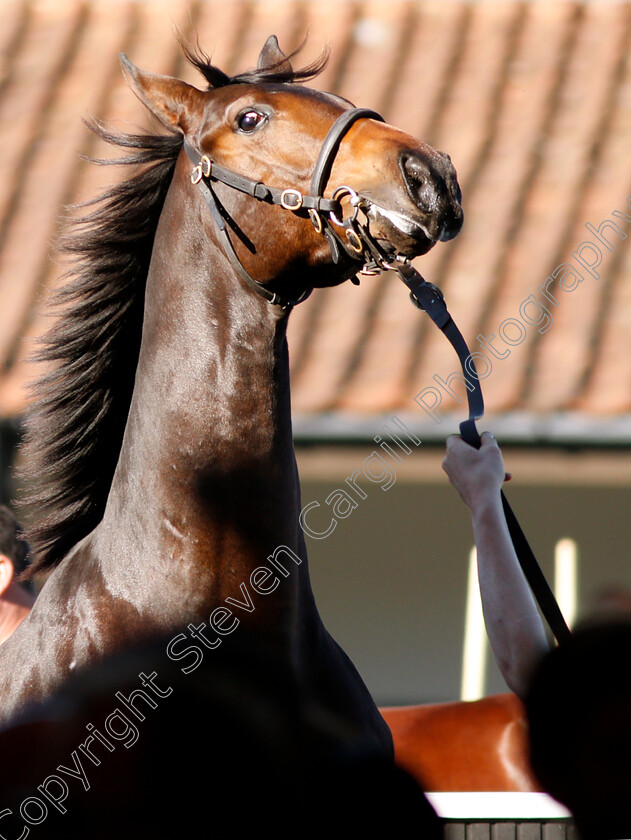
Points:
(486, 502)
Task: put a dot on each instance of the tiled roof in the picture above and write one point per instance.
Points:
(532, 100)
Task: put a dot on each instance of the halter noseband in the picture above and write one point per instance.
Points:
(321, 210)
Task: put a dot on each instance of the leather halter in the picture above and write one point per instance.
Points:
(206, 171)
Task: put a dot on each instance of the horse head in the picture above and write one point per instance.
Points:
(371, 192)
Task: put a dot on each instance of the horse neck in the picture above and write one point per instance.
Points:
(207, 484)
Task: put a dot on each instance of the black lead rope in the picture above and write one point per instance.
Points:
(427, 297)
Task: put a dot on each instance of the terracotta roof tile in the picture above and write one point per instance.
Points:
(531, 100)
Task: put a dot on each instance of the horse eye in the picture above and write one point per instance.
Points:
(249, 120)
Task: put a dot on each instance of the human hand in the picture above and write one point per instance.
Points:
(477, 474)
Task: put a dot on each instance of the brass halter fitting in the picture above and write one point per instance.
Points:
(339, 193)
(202, 170)
(316, 220)
(291, 199)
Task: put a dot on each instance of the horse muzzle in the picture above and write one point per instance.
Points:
(427, 211)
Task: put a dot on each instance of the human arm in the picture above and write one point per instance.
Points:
(513, 623)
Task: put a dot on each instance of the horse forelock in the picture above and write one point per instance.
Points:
(279, 73)
(75, 428)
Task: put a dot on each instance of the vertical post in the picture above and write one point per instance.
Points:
(566, 578)
(475, 646)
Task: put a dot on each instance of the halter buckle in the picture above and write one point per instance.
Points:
(291, 199)
(202, 170)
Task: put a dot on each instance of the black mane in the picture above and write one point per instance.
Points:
(74, 433)
(75, 429)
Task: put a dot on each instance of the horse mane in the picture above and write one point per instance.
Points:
(75, 430)
(76, 424)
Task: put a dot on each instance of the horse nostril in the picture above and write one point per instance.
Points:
(433, 187)
(419, 183)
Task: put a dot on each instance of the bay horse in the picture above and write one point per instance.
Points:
(478, 745)
(161, 443)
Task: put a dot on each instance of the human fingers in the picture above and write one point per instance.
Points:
(487, 441)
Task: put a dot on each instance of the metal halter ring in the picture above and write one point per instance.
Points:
(340, 192)
(354, 241)
(316, 220)
(202, 170)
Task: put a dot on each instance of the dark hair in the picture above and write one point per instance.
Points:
(13, 544)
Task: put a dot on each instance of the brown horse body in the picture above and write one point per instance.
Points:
(172, 498)
(480, 745)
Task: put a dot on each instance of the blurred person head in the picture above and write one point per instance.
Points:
(579, 715)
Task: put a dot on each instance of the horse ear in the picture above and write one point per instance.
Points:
(175, 103)
(272, 56)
